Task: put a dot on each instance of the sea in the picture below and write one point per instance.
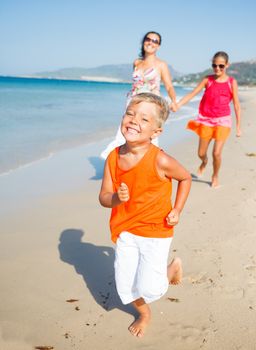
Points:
(40, 117)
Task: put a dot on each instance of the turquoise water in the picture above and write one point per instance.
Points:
(39, 117)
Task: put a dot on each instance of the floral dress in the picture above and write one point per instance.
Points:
(144, 81)
(147, 80)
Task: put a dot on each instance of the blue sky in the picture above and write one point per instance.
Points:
(39, 35)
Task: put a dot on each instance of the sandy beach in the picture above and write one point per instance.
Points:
(56, 257)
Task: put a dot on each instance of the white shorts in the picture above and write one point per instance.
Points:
(141, 267)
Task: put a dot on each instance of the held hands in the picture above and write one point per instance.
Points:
(123, 192)
(173, 107)
(173, 217)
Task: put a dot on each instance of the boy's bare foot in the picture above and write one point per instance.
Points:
(137, 328)
(202, 167)
(174, 271)
(215, 182)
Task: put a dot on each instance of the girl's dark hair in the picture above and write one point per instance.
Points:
(221, 54)
(142, 51)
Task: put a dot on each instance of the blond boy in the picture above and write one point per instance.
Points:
(137, 185)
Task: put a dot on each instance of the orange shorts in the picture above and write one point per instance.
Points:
(217, 132)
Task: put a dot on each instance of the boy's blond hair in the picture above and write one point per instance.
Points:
(160, 102)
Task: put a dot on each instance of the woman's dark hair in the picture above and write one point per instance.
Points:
(221, 54)
(142, 51)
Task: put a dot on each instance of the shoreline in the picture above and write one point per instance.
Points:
(55, 246)
(106, 136)
(78, 165)
(87, 80)
(107, 80)
(44, 144)
(93, 140)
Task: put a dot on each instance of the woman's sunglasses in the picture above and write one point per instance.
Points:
(149, 40)
(221, 66)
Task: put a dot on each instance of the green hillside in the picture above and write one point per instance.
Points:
(243, 72)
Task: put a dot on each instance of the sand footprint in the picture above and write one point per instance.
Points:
(201, 279)
(251, 268)
(249, 295)
(233, 292)
(186, 334)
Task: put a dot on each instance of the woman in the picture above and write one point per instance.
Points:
(148, 72)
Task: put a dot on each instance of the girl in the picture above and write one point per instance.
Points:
(148, 73)
(214, 118)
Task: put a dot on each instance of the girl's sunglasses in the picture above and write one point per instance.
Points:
(149, 40)
(221, 66)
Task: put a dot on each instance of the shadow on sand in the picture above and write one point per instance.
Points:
(195, 178)
(96, 265)
(98, 164)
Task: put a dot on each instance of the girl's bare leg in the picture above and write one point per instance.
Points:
(216, 155)
(202, 154)
(137, 328)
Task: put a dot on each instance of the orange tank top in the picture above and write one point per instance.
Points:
(150, 198)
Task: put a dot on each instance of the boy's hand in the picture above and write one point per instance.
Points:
(123, 192)
(173, 217)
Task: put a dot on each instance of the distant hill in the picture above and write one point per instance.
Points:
(243, 72)
(121, 72)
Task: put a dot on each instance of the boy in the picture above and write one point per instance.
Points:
(137, 186)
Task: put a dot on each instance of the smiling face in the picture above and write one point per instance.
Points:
(151, 43)
(219, 66)
(140, 122)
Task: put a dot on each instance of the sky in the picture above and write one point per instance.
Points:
(43, 35)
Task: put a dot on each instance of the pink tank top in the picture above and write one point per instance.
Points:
(216, 99)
